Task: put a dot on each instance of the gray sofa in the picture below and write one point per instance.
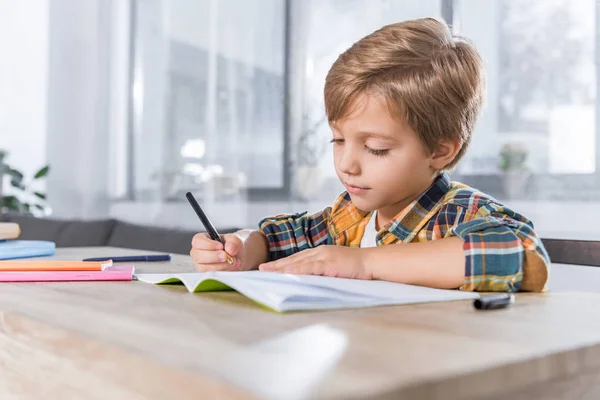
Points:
(106, 232)
(111, 232)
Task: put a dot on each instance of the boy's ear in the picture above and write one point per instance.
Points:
(445, 153)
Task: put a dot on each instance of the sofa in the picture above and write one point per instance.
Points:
(105, 232)
(116, 233)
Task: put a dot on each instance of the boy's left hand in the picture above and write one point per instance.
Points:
(336, 261)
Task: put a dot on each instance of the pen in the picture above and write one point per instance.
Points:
(157, 257)
(494, 301)
(214, 235)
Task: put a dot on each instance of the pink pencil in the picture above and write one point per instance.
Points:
(117, 273)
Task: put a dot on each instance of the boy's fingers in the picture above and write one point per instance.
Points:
(213, 267)
(201, 267)
(202, 241)
(268, 267)
(208, 257)
(285, 262)
(233, 244)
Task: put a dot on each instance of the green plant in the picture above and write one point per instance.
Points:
(513, 157)
(25, 199)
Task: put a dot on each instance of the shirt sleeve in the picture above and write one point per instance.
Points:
(502, 251)
(289, 234)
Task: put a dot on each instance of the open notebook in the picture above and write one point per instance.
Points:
(285, 292)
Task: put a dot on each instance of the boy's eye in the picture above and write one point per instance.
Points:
(378, 152)
(337, 141)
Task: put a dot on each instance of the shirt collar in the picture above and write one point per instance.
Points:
(411, 220)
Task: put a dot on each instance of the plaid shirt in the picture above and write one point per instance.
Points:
(502, 251)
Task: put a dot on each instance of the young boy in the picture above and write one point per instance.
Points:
(402, 103)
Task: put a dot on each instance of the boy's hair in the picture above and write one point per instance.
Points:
(430, 79)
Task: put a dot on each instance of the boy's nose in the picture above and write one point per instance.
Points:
(349, 163)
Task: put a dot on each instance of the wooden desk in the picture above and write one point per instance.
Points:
(132, 340)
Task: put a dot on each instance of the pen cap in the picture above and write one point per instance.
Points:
(494, 301)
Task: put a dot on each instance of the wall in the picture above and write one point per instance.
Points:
(23, 82)
(79, 90)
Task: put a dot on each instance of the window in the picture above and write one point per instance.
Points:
(537, 138)
(322, 45)
(228, 95)
(208, 99)
(536, 146)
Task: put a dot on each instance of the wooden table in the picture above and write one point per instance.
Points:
(132, 340)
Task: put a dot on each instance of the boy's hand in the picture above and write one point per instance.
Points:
(209, 255)
(337, 261)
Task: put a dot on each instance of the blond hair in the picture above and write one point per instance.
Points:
(430, 79)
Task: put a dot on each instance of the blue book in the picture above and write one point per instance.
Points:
(10, 249)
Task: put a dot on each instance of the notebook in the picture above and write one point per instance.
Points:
(9, 230)
(286, 292)
(11, 249)
(116, 273)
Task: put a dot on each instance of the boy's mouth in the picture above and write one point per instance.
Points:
(355, 189)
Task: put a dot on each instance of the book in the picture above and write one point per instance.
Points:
(286, 292)
(116, 273)
(11, 249)
(54, 265)
(9, 230)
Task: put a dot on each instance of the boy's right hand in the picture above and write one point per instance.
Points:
(209, 255)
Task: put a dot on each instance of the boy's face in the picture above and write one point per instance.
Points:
(381, 162)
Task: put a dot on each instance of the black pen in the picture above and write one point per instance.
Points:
(149, 258)
(494, 301)
(214, 235)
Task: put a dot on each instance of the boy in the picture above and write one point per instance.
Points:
(402, 103)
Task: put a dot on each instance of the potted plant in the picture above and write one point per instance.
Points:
(25, 200)
(515, 173)
(310, 150)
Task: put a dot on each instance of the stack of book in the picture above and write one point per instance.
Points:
(60, 271)
(13, 270)
(11, 247)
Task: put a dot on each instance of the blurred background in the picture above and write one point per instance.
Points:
(132, 103)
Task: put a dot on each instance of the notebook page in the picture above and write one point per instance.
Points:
(369, 288)
(278, 295)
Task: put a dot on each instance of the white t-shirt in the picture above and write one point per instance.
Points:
(369, 239)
